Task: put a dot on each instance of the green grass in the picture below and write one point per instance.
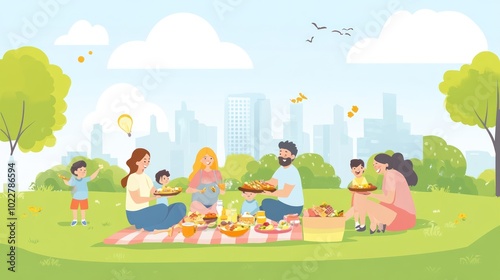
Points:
(437, 246)
(477, 261)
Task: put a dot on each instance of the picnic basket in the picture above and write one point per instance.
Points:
(323, 229)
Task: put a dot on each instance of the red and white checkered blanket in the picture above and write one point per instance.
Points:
(208, 236)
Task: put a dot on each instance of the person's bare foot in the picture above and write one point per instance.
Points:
(160, 231)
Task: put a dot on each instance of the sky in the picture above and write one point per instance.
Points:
(149, 56)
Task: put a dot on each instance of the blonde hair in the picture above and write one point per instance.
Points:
(198, 165)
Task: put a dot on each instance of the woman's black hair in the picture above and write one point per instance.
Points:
(398, 163)
(160, 174)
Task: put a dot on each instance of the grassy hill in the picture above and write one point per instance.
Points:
(438, 243)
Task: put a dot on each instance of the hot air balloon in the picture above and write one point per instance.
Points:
(125, 123)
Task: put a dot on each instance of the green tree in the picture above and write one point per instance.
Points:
(235, 166)
(473, 97)
(485, 183)
(181, 182)
(32, 105)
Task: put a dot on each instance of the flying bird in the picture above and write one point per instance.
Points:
(353, 111)
(347, 34)
(299, 99)
(350, 28)
(338, 32)
(310, 40)
(317, 27)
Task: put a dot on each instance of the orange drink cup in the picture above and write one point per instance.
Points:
(188, 229)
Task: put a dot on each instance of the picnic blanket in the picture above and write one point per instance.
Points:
(208, 236)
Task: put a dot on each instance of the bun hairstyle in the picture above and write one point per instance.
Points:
(398, 163)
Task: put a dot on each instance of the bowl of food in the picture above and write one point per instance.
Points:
(233, 229)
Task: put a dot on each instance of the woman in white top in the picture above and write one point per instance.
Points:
(140, 190)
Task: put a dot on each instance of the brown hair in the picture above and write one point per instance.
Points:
(137, 155)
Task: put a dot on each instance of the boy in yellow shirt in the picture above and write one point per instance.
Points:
(358, 168)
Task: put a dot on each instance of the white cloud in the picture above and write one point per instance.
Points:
(83, 33)
(125, 99)
(180, 41)
(423, 37)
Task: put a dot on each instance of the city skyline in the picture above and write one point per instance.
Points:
(250, 113)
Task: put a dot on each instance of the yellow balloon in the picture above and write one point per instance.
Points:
(125, 123)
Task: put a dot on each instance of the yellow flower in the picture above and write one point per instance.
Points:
(462, 216)
(456, 222)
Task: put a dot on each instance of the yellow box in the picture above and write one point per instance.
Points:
(319, 229)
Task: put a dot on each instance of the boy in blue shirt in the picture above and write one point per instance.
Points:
(162, 177)
(80, 189)
(250, 205)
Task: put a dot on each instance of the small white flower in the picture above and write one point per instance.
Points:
(97, 201)
(118, 204)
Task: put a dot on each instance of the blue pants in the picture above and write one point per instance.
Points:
(275, 209)
(159, 216)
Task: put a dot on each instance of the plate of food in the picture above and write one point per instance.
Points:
(270, 228)
(168, 191)
(210, 218)
(233, 229)
(62, 177)
(363, 188)
(257, 187)
(194, 217)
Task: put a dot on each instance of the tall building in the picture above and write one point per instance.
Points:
(333, 143)
(389, 133)
(66, 160)
(478, 161)
(247, 124)
(159, 146)
(96, 145)
(190, 137)
(293, 130)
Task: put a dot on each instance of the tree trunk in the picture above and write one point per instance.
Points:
(497, 156)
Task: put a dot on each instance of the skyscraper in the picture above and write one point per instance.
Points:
(190, 137)
(389, 133)
(96, 145)
(293, 130)
(159, 146)
(247, 124)
(333, 143)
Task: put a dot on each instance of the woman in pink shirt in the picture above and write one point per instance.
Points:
(395, 210)
(204, 182)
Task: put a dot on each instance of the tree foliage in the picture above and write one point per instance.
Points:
(473, 97)
(32, 104)
(235, 166)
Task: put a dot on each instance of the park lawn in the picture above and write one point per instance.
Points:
(48, 233)
(477, 261)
